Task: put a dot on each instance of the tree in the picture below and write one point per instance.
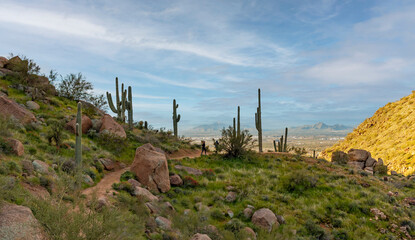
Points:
(236, 145)
(99, 101)
(75, 87)
(55, 132)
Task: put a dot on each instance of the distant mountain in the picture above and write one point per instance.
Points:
(321, 125)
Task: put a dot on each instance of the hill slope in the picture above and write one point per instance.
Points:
(389, 134)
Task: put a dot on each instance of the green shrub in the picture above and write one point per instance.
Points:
(217, 214)
(234, 225)
(32, 151)
(126, 176)
(297, 181)
(381, 169)
(55, 132)
(234, 145)
(123, 186)
(5, 147)
(46, 182)
(112, 142)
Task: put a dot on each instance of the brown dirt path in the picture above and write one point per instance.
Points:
(105, 184)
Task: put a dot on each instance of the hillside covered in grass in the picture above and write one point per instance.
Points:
(389, 134)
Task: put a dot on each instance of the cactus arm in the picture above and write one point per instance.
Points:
(178, 118)
(285, 139)
(130, 108)
(238, 130)
(111, 103)
(117, 94)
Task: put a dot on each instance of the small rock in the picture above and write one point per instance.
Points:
(176, 180)
(186, 211)
(154, 209)
(199, 236)
(169, 206)
(134, 183)
(163, 223)
(280, 219)
(250, 206)
(230, 188)
(378, 214)
(410, 201)
(32, 105)
(369, 170)
(394, 173)
(392, 194)
(17, 146)
(108, 164)
(249, 232)
(88, 180)
(145, 194)
(248, 213)
(41, 167)
(230, 213)
(231, 197)
(102, 202)
(200, 207)
(189, 170)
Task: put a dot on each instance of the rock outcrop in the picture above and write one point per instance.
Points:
(17, 146)
(109, 125)
(150, 167)
(18, 222)
(86, 124)
(10, 108)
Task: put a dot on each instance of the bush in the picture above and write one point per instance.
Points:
(126, 176)
(190, 182)
(340, 157)
(5, 147)
(297, 181)
(234, 225)
(381, 169)
(123, 186)
(55, 132)
(217, 215)
(234, 145)
(75, 87)
(112, 142)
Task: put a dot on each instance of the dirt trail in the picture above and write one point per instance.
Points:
(114, 177)
(105, 184)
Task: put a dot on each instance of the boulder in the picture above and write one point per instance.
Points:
(369, 170)
(13, 63)
(87, 179)
(154, 209)
(109, 125)
(108, 164)
(9, 108)
(189, 170)
(163, 223)
(231, 197)
(169, 206)
(358, 155)
(32, 105)
(150, 167)
(18, 222)
(356, 165)
(265, 219)
(370, 162)
(17, 146)
(40, 166)
(3, 61)
(144, 194)
(86, 124)
(96, 124)
(176, 180)
(199, 236)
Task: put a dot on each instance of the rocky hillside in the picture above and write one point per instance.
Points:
(389, 134)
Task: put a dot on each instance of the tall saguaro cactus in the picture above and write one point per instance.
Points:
(122, 103)
(129, 107)
(78, 133)
(285, 140)
(258, 121)
(176, 118)
(238, 130)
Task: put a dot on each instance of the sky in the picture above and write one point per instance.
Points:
(315, 60)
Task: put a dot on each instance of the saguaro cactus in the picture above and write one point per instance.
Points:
(78, 133)
(129, 107)
(258, 121)
(282, 143)
(285, 140)
(275, 146)
(238, 130)
(176, 118)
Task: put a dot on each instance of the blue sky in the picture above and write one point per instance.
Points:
(317, 60)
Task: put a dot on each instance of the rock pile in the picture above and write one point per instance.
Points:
(357, 158)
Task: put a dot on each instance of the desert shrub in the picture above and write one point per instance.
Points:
(190, 182)
(68, 166)
(55, 132)
(5, 125)
(5, 147)
(339, 157)
(112, 142)
(32, 150)
(46, 182)
(381, 169)
(123, 186)
(234, 225)
(75, 87)
(315, 230)
(217, 214)
(340, 235)
(297, 181)
(236, 145)
(126, 176)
